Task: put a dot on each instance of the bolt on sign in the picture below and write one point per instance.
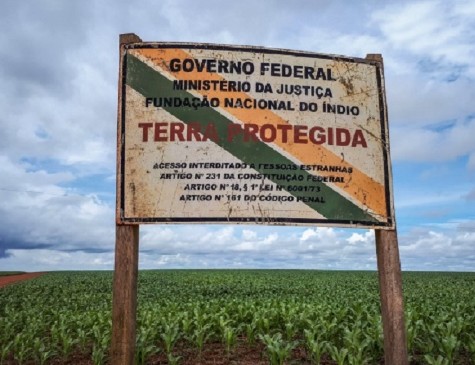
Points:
(213, 133)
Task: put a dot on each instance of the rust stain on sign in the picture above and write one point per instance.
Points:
(213, 133)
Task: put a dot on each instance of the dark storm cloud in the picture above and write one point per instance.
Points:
(9, 241)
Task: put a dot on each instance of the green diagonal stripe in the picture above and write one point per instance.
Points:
(150, 83)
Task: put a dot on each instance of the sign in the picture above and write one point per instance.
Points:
(211, 133)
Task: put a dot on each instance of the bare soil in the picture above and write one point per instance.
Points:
(11, 279)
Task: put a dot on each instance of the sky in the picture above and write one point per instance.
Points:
(59, 78)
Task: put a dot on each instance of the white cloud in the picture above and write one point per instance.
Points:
(281, 247)
(248, 235)
(308, 234)
(430, 49)
(439, 145)
(358, 238)
(414, 101)
(36, 211)
(49, 260)
(431, 250)
(443, 31)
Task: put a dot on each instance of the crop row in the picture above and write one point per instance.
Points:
(295, 316)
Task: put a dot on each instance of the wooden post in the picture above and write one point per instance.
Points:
(124, 298)
(392, 307)
(124, 291)
(390, 277)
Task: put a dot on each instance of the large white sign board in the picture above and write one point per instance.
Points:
(214, 133)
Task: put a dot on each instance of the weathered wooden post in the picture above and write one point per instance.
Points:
(124, 296)
(124, 299)
(392, 307)
(390, 276)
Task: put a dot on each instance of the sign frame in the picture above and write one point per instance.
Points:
(123, 217)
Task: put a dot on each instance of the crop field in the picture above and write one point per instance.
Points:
(237, 317)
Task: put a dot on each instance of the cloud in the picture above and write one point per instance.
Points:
(50, 259)
(430, 250)
(439, 31)
(421, 249)
(430, 48)
(37, 212)
(36, 55)
(62, 98)
(247, 247)
(439, 145)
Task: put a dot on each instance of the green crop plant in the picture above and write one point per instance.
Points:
(22, 347)
(230, 337)
(172, 359)
(83, 337)
(262, 323)
(449, 346)
(471, 346)
(374, 335)
(98, 355)
(339, 355)
(41, 353)
(199, 336)
(358, 345)
(144, 348)
(277, 349)
(315, 347)
(67, 343)
(413, 329)
(186, 323)
(330, 329)
(4, 351)
(291, 330)
(170, 335)
(143, 345)
(439, 360)
(251, 331)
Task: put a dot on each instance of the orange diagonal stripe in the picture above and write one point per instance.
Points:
(361, 187)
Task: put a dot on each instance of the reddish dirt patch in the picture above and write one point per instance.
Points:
(10, 279)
